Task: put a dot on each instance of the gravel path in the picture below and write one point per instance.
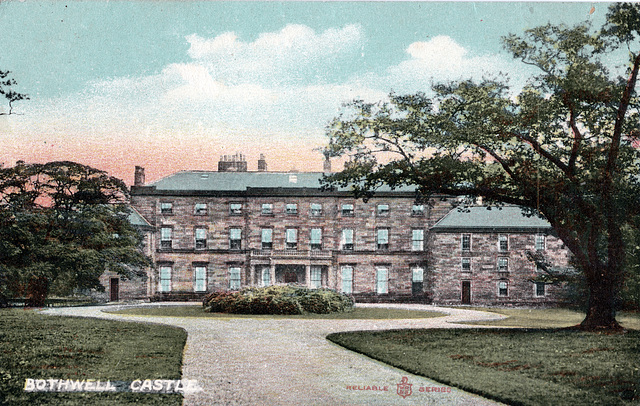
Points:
(289, 362)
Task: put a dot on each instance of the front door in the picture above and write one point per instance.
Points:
(466, 292)
(114, 289)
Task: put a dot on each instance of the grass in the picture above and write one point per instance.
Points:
(519, 367)
(38, 346)
(361, 313)
(549, 318)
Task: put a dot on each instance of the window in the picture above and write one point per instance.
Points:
(503, 289)
(200, 278)
(382, 281)
(503, 264)
(316, 209)
(466, 264)
(503, 243)
(346, 242)
(166, 208)
(267, 209)
(417, 280)
(316, 239)
(235, 238)
(466, 242)
(383, 210)
(266, 237)
(417, 240)
(200, 209)
(165, 279)
(165, 237)
(234, 278)
(291, 238)
(382, 238)
(347, 279)
(347, 210)
(316, 277)
(235, 209)
(417, 210)
(201, 238)
(540, 288)
(291, 209)
(540, 242)
(266, 276)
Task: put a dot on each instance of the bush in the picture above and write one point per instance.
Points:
(278, 299)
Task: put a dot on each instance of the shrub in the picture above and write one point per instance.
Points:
(278, 299)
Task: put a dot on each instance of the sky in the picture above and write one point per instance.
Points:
(174, 85)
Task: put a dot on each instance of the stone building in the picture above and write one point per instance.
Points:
(232, 228)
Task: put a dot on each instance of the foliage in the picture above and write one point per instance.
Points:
(62, 225)
(6, 82)
(513, 366)
(564, 147)
(36, 346)
(278, 299)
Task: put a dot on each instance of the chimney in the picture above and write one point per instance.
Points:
(138, 178)
(326, 166)
(262, 164)
(232, 163)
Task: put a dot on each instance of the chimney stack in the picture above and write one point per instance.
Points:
(262, 164)
(138, 178)
(232, 163)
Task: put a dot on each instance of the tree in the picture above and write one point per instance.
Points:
(6, 82)
(62, 225)
(564, 147)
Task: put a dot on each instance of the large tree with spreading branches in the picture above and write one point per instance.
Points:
(565, 146)
(62, 225)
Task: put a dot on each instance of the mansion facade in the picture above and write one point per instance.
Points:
(232, 228)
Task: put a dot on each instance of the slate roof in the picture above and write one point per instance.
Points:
(478, 218)
(240, 181)
(136, 219)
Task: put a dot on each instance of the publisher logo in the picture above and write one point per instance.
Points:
(404, 387)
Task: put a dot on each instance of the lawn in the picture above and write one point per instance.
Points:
(38, 346)
(357, 313)
(519, 367)
(549, 318)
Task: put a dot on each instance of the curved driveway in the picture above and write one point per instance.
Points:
(289, 362)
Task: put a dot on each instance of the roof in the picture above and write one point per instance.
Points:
(490, 218)
(204, 181)
(136, 219)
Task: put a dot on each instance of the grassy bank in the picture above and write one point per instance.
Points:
(549, 318)
(37, 346)
(519, 367)
(357, 313)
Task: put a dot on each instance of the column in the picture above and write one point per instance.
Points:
(307, 275)
(252, 275)
(331, 278)
(272, 272)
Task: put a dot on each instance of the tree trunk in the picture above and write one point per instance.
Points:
(37, 291)
(601, 313)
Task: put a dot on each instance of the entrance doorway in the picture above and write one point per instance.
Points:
(466, 292)
(290, 274)
(114, 289)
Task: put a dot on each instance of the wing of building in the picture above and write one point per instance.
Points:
(231, 228)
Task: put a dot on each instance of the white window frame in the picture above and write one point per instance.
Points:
(266, 209)
(201, 236)
(348, 210)
(417, 239)
(540, 242)
(382, 209)
(235, 238)
(500, 288)
(316, 277)
(166, 208)
(164, 278)
(266, 238)
(503, 242)
(315, 241)
(235, 280)
(235, 209)
(417, 210)
(382, 280)
(466, 236)
(291, 209)
(200, 209)
(347, 279)
(417, 274)
(382, 239)
(315, 210)
(291, 238)
(466, 260)
(166, 237)
(199, 278)
(346, 240)
(502, 264)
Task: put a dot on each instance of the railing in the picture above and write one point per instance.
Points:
(290, 253)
